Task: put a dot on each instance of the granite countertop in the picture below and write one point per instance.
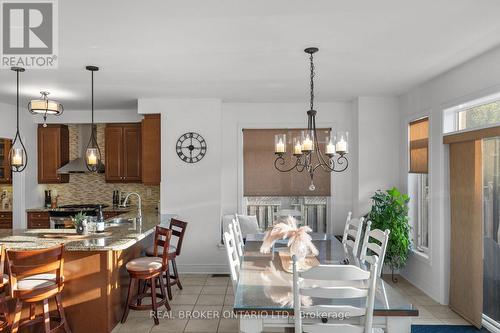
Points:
(116, 237)
(107, 209)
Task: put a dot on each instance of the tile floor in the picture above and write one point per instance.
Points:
(214, 296)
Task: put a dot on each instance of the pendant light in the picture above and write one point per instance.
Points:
(306, 149)
(93, 153)
(45, 107)
(18, 158)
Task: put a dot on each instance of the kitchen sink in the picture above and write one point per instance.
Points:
(120, 220)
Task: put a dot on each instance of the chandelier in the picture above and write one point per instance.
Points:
(45, 107)
(306, 149)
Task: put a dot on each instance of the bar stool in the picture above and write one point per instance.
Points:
(36, 276)
(149, 269)
(4, 280)
(178, 230)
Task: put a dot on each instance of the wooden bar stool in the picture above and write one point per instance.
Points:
(178, 230)
(36, 276)
(149, 270)
(4, 281)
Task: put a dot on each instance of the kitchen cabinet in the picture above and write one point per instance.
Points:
(5, 172)
(123, 153)
(151, 149)
(38, 220)
(53, 153)
(5, 220)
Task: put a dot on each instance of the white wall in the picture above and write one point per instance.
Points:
(192, 191)
(377, 124)
(475, 78)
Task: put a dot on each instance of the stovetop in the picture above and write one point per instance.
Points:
(68, 210)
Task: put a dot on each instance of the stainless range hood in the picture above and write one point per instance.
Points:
(78, 165)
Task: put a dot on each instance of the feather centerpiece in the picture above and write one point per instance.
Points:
(299, 240)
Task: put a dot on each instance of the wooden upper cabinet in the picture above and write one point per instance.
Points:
(53, 153)
(113, 153)
(151, 149)
(132, 153)
(5, 172)
(123, 153)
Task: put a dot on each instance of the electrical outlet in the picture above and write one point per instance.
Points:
(148, 192)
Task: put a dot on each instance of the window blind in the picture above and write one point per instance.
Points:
(260, 177)
(419, 146)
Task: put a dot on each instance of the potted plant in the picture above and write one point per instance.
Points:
(390, 211)
(80, 223)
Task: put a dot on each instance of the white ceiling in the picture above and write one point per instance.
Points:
(251, 51)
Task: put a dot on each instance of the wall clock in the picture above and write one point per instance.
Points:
(191, 147)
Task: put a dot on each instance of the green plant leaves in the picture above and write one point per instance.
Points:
(390, 211)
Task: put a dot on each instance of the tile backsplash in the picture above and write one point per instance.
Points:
(92, 188)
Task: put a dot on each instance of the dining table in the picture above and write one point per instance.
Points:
(264, 294)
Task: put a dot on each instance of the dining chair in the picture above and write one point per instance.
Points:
(238, 238)
(36, 276)
(352, 233)
(336, 306)
(4, 280)
(232, 255)
(377, 249)
(149, 271)
(237, 229)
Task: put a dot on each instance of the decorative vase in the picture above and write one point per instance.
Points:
(80, 230)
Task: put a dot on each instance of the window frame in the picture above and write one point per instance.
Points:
(424, 254)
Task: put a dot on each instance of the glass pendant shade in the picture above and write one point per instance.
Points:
(280, 143)
(330, 145)
(307, 141)
(92, 156)
(45, 106)
(342, 142)
(297, 146)
(17, 157)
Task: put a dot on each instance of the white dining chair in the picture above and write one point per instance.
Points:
(232, 256)
(377, 249)
(322, 305)
(352, 233)
(238, 237)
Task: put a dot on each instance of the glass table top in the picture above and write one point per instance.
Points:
(264, 286)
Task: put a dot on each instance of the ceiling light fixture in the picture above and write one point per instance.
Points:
(93, 153)
(18, 158)
(306, 147)
(45, 106)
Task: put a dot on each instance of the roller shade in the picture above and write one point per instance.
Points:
(260, 176)
(419, 146)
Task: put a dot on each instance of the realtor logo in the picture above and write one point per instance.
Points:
(29, 34)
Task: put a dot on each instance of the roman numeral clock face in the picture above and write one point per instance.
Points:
(191, 147)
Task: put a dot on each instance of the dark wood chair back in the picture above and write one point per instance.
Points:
(2, 262)
(26, 263)
(178, 228)
(162, 241)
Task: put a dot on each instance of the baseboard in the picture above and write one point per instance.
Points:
(202, 269)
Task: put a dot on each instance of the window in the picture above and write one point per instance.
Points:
(483, 112)
(418, 182)
(270, 194)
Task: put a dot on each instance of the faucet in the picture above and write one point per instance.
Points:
(139, 209)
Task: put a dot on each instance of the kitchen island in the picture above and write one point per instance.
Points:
(96, 279)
